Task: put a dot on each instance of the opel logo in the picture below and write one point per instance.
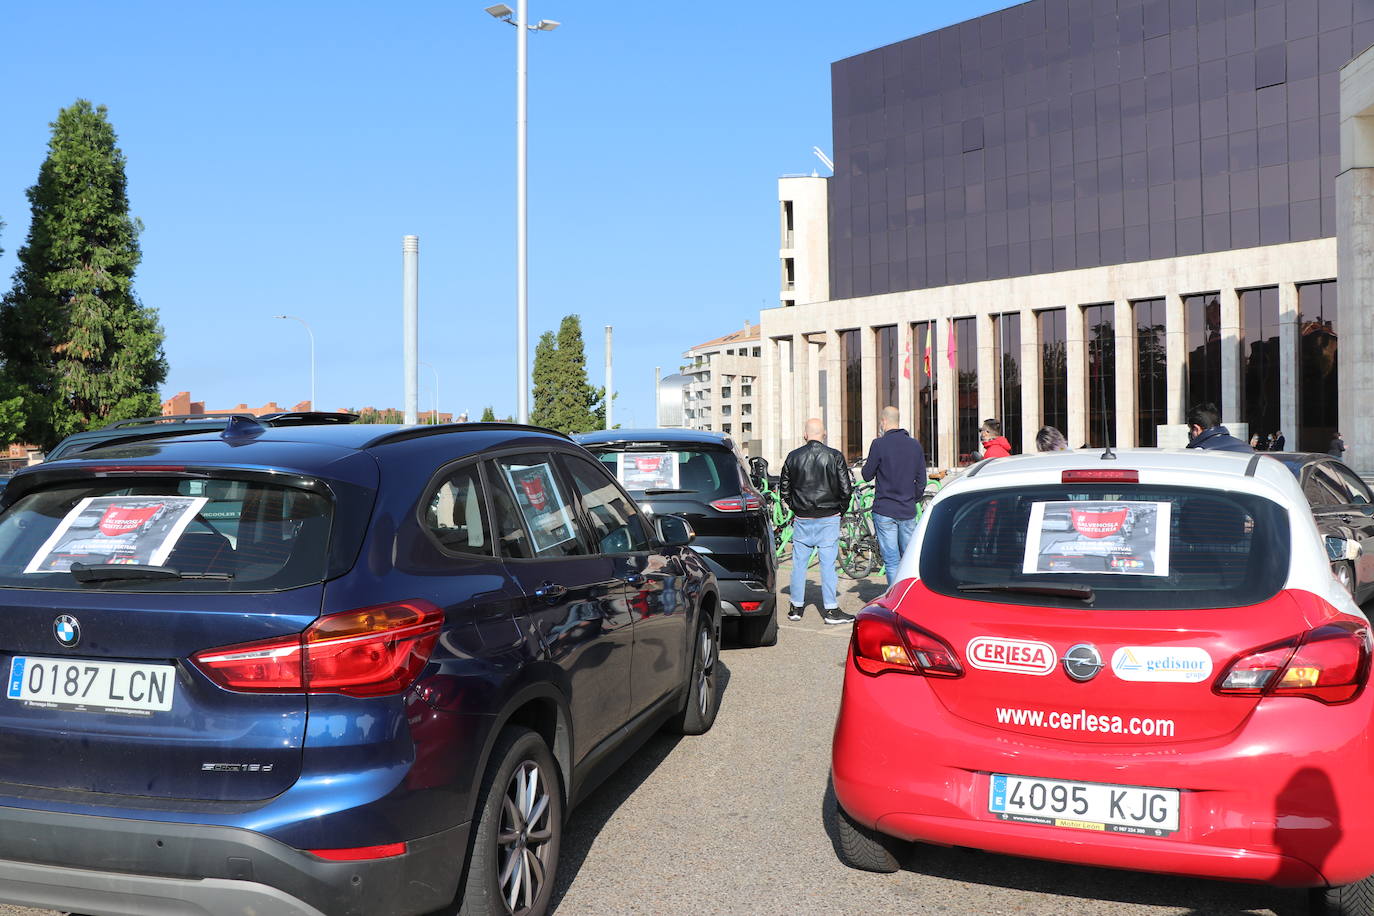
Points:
(67, 630)
(1082, 662)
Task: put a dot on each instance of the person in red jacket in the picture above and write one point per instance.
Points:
(995, 445)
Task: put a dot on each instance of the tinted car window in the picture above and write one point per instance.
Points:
(540, 507)
(1136, 546)
(615, 524)
(714, 473)
(221, 534)
(457, 515)
(1354, 487)
(1320, 494)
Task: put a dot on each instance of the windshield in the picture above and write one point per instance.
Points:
(1132, 546)
(165, 535)
(711, 473)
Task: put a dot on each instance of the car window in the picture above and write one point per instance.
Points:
(1319, 492)
(615, 523)
(457, 515)
(712, 472)
(1359, 494)
(533, 499)
(1135, 545)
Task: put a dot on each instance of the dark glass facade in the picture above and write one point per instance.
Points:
(885, 339)
(1151, 383)
(1062, 134)
(1202, 315)
(851, 396)
(1054, 370)
(966, 364)
(1099, 323)
(925, 388)
(1318, 379)
(1007, 364)
(1259, 359)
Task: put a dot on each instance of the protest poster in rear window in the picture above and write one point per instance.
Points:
(1118, 537)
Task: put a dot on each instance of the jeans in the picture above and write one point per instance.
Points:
(893, 536)
(818, 534)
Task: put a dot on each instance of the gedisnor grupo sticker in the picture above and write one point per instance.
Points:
(1018, 656)
(1164, 664)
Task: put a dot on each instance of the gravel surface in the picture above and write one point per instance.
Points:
(731, 822)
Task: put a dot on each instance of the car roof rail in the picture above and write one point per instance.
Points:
(418, 432)
(175, 418)
(309, 418)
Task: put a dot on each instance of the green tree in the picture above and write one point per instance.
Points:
(488, 415)
(545, 381)
(575, 400)
(78, 346)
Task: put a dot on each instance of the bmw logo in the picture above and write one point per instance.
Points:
(1082, 662)
(67, 630)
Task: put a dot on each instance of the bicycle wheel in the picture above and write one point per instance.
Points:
(858, 552)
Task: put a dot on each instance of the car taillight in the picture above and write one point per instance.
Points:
(883, 642)
(1329, 664)
(369, 652)
(750, 605)
(1100, 475)
(361, 853)
(737, 503)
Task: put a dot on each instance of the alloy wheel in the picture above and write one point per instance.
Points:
(706, 670)
(523, 838)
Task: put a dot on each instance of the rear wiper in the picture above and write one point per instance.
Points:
(1081, 592)
(659, 491)
(117, 572)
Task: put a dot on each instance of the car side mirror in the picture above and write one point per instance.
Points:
(1343, 549)
(674, 531)
(1366, 510)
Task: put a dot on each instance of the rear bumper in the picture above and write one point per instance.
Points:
(735, 591)
(120, 867)
(1282, 800)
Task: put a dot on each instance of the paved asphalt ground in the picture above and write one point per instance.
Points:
(731, 822)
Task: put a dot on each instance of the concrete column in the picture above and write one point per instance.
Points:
(906, 375)
(947, 393)
(1127, 368)
(868, 366)
(1076, 355)
(771, 389)
(1175, 358)
(989, 402)
(1030, 380)
(1355, 315)
(1288, 364)
(1230, 362)
(791, 395)
(833, 360)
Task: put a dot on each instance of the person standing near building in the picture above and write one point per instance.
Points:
(1206, 432)
(995, 445)
(898, 463)
(816, 485)
(1050, 439)
(1279, 442)
(1337, 447)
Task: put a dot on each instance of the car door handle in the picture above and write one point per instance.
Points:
(635, 579)
(550, 591)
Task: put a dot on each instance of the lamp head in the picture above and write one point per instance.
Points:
(500, 11)
(547, 25)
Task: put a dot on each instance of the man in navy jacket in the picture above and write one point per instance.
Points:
(1206, 432)
(899, 464)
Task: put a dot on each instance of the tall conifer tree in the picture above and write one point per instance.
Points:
(78, 346)
(575, 400)
(546, 381)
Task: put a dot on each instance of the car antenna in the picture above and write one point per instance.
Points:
(242, 427)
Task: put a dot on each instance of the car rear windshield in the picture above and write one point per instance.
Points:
(713, 473)
(165, 535)
(1120, 546)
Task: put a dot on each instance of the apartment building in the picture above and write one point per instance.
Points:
(722, 378)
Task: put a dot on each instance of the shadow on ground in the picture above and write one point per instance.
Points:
(1194, 897)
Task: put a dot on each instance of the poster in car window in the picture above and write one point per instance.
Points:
(124, 530)
(1119, 537)
(544, 509)
(649, 470)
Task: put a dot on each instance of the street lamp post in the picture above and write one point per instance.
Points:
(436, 390)
(519, 19)
(313, 405)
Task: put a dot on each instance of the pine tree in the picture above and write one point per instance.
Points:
(546, 381)
(575, 400)
(488, 415)
(78, 346)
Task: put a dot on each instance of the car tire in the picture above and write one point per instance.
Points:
(1345, 575)
(862, 847)
(521, 798)
(756, 632)
(702, 698)
(1346, 900)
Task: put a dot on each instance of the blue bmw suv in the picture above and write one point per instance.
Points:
(329, 671)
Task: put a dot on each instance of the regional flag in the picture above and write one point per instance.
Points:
(925, 360)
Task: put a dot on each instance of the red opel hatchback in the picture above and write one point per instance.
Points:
(1138, 662)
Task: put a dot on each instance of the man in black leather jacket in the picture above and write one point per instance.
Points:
(816, 485)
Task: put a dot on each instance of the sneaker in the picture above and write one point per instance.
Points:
(836, 616)
(795, 613)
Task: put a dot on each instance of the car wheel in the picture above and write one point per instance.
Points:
(861, 847)
(1345, 576)
(1346, 900)
(519, 826)
(759, 631)
(700, 713)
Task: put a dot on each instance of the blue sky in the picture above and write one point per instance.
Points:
(278, 151)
